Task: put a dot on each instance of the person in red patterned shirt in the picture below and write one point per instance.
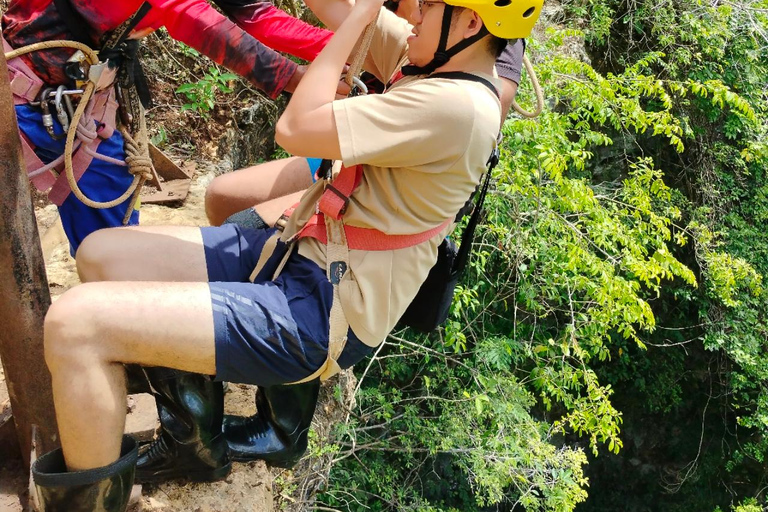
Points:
(240, 45)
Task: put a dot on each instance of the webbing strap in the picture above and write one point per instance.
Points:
(335, 199)
(266, 253)
(25, 84)
(366, 239)
(337, 268)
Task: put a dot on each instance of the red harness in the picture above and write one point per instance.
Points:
(334, 202)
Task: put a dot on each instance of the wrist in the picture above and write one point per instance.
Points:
(293, 82)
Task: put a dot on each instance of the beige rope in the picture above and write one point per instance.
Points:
(536, 88)
(137, 150)
(47, 45)
(362, 51)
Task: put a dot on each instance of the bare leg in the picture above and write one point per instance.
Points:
(93, 328)
(152, 253)
(271, 210)
(236, 191)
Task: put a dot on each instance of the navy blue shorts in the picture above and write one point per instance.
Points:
(103, 181)
(268, 332)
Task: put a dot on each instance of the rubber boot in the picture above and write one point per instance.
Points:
(105, 489)
(191, 444)
(278, 432)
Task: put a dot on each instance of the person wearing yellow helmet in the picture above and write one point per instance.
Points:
(355, 250)
(503, 19)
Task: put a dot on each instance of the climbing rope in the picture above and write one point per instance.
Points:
(536, 89)
(137, 149)
(352, 76)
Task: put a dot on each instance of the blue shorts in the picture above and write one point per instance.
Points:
(268, 332)
(102, 181)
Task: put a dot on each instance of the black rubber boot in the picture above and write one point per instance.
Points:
(191, 444)
(278, 432)
(106, 489)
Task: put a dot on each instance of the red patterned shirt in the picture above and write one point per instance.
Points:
(194, 22)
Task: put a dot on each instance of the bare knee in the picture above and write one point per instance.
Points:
(217, 208)
(66, 332)
(92, 258)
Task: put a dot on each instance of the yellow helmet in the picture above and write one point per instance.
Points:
(507, 19)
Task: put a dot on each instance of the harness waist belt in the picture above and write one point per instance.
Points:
(367, 239)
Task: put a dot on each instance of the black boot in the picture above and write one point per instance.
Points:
(278, 432)
(191, 444)
(106, 489)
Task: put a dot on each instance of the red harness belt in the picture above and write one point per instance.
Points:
(334, 202)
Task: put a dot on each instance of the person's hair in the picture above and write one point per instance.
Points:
(495, 45)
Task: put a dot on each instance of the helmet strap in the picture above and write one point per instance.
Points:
(443, 55)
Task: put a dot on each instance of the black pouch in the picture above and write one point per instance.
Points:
(430, 308)
(432, 304)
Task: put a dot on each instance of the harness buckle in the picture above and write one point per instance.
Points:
(341, 195)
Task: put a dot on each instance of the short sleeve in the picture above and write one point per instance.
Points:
(398, 128)
(388, 45)
(509, 63)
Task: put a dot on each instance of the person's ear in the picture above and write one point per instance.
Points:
(473, 24)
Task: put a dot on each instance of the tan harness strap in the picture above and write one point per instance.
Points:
(337, 269)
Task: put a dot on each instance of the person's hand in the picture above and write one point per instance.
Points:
(295, 78)
(342, 90)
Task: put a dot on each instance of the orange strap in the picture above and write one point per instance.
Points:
(334, 202)
(366, 239)
(335, 199)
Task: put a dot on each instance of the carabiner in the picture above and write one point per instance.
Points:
(358, 87)
(45, 107)
(61, 114)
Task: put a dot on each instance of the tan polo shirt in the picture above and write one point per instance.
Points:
(424, 144)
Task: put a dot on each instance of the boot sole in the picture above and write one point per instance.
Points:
(209, 475)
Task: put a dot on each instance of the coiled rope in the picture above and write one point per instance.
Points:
(137, 149)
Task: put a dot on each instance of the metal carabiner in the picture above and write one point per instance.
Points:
(47, 117)
(358, 88)
(61, 114)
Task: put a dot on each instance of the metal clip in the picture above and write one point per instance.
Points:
(47, 117)
(61, 114)
(358, 87)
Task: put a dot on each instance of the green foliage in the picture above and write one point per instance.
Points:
(630, 215)
(201, 95)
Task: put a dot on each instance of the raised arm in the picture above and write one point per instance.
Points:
(331, 12)
(198, 24)
(276, 28)
(307, 127)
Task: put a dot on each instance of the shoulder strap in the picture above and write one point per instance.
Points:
(460, 263)
(116, 37)
(461, 75)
